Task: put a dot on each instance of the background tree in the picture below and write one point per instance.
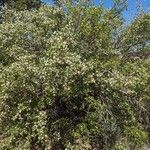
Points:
(22, 4)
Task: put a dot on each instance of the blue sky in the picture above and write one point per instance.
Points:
(132, 7)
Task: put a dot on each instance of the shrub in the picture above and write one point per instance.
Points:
(65, 83)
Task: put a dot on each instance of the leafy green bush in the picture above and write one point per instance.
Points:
(67, 83)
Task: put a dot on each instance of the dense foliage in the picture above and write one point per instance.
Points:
(21, 4)
(74, 77)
